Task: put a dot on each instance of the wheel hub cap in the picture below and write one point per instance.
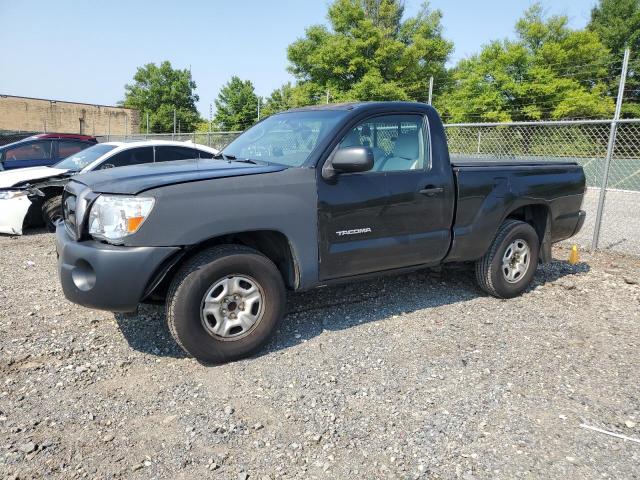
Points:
(515, 261)
(232, 307)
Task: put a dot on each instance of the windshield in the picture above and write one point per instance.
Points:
(285, 138)
(84, 157)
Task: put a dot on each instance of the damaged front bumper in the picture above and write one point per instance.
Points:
(107, 277)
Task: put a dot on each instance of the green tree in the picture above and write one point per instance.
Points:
(289, 96)
(236, 105)
(279, 100)
(617, 23)
(158, 91)
(370, 53)
(549, 72)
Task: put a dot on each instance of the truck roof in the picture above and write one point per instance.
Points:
(357, 106)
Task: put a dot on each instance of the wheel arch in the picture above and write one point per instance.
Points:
(538, 215)
(271, 243)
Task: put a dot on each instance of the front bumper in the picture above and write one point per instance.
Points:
(106, 277)
(12, 214)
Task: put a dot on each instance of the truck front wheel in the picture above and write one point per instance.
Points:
(509, 265)
(225, 303)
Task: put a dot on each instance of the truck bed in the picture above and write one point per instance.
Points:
(488, 189)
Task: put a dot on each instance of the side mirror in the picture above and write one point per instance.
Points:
(348, 160)
(352, 159)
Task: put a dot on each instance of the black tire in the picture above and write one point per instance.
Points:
(52, 212)
(489, 269)
(194, 280)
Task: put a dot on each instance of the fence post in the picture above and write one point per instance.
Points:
(610, 149)
(479, 137)
(430, 89)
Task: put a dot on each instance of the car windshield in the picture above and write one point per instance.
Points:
(285, 138)
(83, 158)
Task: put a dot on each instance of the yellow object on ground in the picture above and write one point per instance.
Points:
(574, 256)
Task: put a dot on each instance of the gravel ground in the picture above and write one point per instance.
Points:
(418, 376)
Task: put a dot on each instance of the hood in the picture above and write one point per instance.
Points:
(138, 178)
(13, 178)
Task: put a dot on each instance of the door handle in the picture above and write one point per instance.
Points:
(431, 191)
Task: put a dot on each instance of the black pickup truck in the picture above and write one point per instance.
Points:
(305, 198)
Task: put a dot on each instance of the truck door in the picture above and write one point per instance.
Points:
(396, 215)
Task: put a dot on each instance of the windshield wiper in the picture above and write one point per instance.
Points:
(224, 156)
(233, 158)
(246, 160)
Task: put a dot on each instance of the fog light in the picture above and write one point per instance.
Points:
(83, 275)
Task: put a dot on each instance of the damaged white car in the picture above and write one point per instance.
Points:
(33, 196)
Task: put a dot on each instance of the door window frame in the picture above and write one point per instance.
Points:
(426, 135)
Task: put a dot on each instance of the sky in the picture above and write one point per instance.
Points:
(87, 51)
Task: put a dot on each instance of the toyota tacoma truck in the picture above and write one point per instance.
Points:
(306, 198)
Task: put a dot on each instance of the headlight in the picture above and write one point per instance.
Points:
(9, 194)
(113, 217)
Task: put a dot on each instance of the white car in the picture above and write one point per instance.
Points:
(33, 195)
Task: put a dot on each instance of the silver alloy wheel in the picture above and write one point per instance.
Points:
(515, 261)
(232, 307)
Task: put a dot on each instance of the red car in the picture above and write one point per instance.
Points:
(42, 149)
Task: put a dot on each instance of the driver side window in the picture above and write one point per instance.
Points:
(397, 142)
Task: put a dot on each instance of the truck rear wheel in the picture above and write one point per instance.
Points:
(509, 265)
(225, 303)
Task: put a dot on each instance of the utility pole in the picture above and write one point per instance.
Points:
(174, 125)
(259, 100)
(610, 147)
(430, 89)
(210, 123)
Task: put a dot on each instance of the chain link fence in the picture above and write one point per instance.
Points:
(585, 142)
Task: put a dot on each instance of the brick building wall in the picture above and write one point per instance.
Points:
(40, 115)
